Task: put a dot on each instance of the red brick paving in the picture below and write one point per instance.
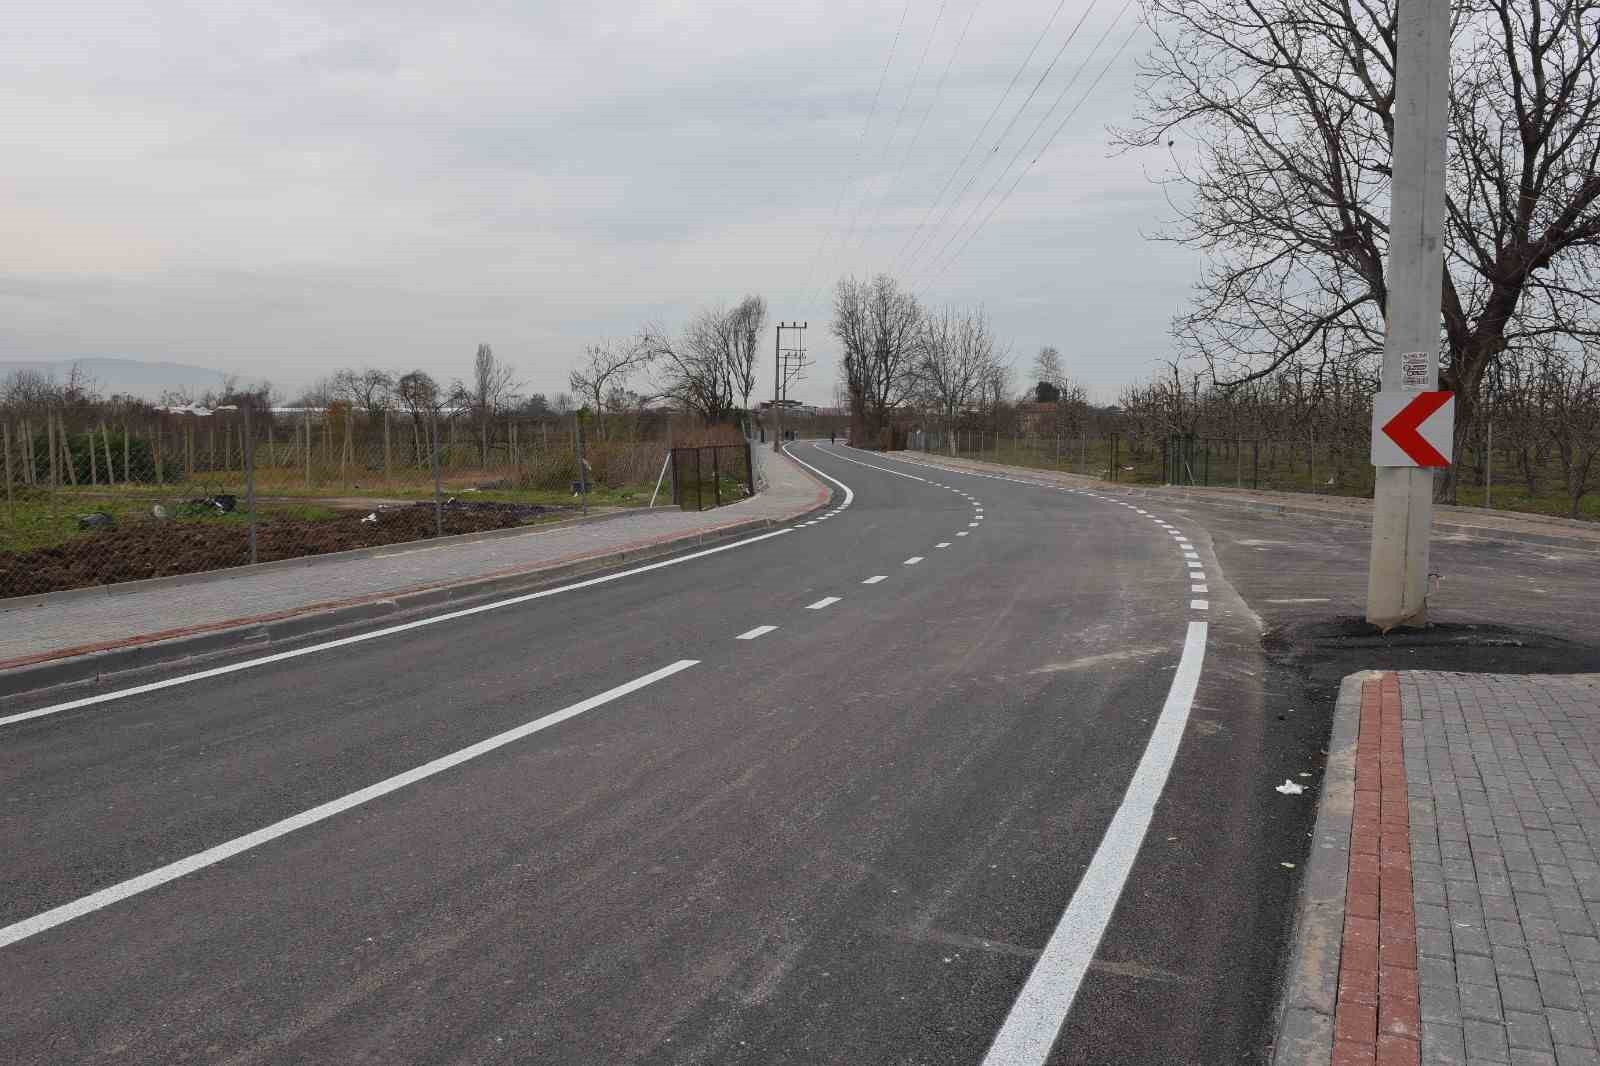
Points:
(1378, 1020)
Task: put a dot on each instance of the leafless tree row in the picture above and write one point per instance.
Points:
(1279, 117)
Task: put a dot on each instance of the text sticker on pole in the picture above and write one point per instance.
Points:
(1413, 428)
(1414, 375)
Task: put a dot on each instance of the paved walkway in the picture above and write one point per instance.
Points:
(1489, 951)
(1473, 521)
(119, 615)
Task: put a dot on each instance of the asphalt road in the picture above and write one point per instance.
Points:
(847, 839)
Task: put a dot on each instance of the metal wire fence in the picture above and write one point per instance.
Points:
(97, 496)
(1492, 469)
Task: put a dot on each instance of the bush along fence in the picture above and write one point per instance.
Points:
(101, 496)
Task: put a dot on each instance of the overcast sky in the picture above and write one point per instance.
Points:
(282, 189)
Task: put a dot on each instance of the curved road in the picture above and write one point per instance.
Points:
(628, 822)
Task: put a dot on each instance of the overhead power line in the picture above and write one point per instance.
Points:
(981, 131)
(894, 130)
(1007, 132)
(860, 143)
(937, 91)
(1038, 127)
(1045, 148)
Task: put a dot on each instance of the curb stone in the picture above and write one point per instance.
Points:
(1306, 1008)
(103, 665)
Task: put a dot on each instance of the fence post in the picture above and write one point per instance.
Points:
(305, 419)
(1311, 464)
(673, 452)
(50, 442)
(749, 468)
(388, 449)
(1238, 464)
(583, 474)
(716, 476)
(1488, 468)
(10, 502)
(1205, 478)
(94, 463)
(433, 463)
(127, 447)
(250, 473)
(699, 484)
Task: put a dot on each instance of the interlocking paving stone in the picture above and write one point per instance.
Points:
(1503, 782)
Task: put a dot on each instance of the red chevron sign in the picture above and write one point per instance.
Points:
(1413, 428)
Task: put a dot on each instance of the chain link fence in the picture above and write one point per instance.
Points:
(98, 495)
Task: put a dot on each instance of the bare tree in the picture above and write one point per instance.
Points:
(698, 367)
(370, 389)
(494, 385)
(606, 367)
(1047, 367)
(747, 322)
(1286, 113)
(954, 360)
(1569, 386)
(877, 322)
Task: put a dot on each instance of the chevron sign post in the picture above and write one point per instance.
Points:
(1413, 428)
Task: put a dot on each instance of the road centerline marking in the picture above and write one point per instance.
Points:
(211, 856)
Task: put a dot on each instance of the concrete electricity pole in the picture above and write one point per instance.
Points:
(781, 372)
(777, 388)
(1402, 515)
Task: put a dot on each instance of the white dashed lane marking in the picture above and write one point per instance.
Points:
(826, 601)
(758, 631)
(913, 561)
(875, 578)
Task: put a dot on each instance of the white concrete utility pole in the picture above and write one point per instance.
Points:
(1402, 515)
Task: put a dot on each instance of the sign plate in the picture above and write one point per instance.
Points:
(1413, 428)
(1414, 371)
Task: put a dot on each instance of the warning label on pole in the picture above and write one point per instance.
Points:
(1414, 372)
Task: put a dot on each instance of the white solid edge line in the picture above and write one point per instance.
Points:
(826, 601)
(758, 631)
(1041, 1007)
(869, 466)
(211, 856)
(404, 627)
(875, 578)
(913, 561)
(849, 496)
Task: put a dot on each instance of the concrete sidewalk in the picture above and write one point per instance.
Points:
(50, 628)
(1467, 521)
(1480, 892)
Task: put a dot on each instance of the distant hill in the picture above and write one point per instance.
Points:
(128, 377)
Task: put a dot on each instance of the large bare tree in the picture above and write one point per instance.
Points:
(606, 367)
(877, 322)
(954, 358)
(1280, 115)
(747, 322)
